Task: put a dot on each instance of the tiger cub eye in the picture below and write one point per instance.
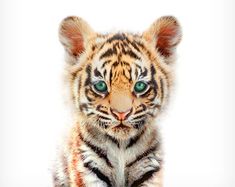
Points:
(140, 87)
(101, 86)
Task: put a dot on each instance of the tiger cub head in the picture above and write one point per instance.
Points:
(119, 82)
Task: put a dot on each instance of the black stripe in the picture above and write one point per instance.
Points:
(102, 124)
(130, 72)
(101, 46)
(114, 140)
(105, 118)
(122, 46)
(136, 71)
(132, 54)
(138, 117)
(153, 83)
(90, 113)
(115, 64)
(98, 173)
(134, 140)
(108, 53)
(141, 110)
(129, 52)
(153, 105)
(98, 108)
(83, 107)
(100, 152)
(148, 53)
(135, 46)
(119, 36)
(105, 73)
(91, 95)
(143, 73)
(88, 79)
(79, 83)
(162, 89)
(139, 124)
(140, 45)
(146, 153)
(145, 177)
(153, 70)
(149, 113)
(87, 96)
(97, 73)
(105, 62)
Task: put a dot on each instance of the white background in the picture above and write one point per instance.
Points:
(198, 129)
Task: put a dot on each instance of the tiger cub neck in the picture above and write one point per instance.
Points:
(120, 160)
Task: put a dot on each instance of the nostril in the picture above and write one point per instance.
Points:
(121, 115)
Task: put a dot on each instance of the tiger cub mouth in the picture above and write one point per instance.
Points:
(121, 126)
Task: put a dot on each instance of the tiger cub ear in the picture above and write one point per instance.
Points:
(74, 34)
(164, 34)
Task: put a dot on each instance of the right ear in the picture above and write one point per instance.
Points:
(74, 34)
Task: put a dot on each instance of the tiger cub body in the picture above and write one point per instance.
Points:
(119, 83)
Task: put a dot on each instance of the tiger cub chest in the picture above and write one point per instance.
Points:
(119, 159)
(130, 165)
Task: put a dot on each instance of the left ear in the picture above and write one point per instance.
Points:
(164, 34)
(74, 34)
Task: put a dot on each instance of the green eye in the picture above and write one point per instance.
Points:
(140, 86)
(101, 86)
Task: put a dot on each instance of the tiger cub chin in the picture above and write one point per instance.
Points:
(119, 83)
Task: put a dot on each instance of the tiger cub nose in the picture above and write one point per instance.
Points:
(121, 115)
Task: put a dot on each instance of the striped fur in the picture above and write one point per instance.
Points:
(101, 149)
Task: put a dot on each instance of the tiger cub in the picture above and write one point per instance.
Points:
(119, 83)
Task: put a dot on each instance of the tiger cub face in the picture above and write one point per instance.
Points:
(119, 81)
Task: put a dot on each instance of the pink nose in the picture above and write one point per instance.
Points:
(121, 115)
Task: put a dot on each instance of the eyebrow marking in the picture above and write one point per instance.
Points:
(143, 73)
(105, 73)
(97, 73)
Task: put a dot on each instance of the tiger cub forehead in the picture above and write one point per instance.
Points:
(123, 47)
(123, 52)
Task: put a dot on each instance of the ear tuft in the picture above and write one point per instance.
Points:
(74, 33)
(164, 34)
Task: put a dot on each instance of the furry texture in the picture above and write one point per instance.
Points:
(115, 139)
